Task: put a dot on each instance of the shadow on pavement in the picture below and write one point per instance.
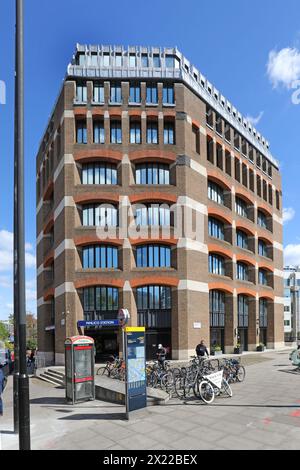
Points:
(94, 416)
(293, 371)
(9, 433)
(48, 401)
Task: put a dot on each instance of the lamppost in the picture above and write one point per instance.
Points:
(21, 380)
(295, 304)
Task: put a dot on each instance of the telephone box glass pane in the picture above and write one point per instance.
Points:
(83, 363)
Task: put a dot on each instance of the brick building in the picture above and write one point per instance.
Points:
(154, 194)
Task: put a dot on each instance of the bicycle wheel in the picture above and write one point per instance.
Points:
(102, 371)
(179, 386)
(206, 392)
(167, 381)
(241, 373)
(226, 389)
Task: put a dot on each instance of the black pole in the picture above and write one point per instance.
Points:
(16, 318)
(23, 388)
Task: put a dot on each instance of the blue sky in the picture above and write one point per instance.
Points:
(250, 50)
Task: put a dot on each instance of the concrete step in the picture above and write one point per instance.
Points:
(52, 378)
(56, 373)
(47, 379)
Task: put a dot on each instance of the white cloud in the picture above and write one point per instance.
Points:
(292, 255)
(288, 214)
(283, 67)
(255, 120)
(6, 252)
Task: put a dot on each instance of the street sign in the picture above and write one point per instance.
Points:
(135, 357)
(85, 324)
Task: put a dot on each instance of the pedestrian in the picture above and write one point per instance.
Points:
(3, 381)
(201, 349)
(161, 355)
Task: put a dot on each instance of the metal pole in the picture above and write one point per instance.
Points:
(24, 409)
(16, 320)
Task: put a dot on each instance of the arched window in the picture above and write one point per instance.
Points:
(215, 228)
(154, 304)
(243, 311)
(242, 271)
(263, 313)
(217, 308)
(154, 298)
(100, 256)
(100, 299)
(262, 248)
(263, 277)
(99, 215)
(215, 192)
(241, 207)
(152, 173)
(99, 173)
(153, 214)
(153, 256)
(216, 264)
(241, 239)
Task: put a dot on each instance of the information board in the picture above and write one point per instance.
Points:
(135, 357)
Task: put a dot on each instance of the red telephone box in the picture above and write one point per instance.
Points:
(80, 364)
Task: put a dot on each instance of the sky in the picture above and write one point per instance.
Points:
(250, 50)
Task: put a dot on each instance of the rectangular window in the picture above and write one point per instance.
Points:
(152, 132)
(99, 132)
(151, 96)
(118, 60)
(81, 93)
(169, 133)
(135, 93)
(209, 116)
(106, 60)
(115, 93)
(132, 60)
(156, 61)
(228, 159)
(196, 139)
(169, 61)
(98, 93)
(237, 140)
(144, 60)
(115, 132)
(219, 124)
(135, 132)
(168, 94)
(81, 132)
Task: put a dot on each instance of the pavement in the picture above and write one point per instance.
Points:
(264, 413)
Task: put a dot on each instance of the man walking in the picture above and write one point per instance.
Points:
(201, 350)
